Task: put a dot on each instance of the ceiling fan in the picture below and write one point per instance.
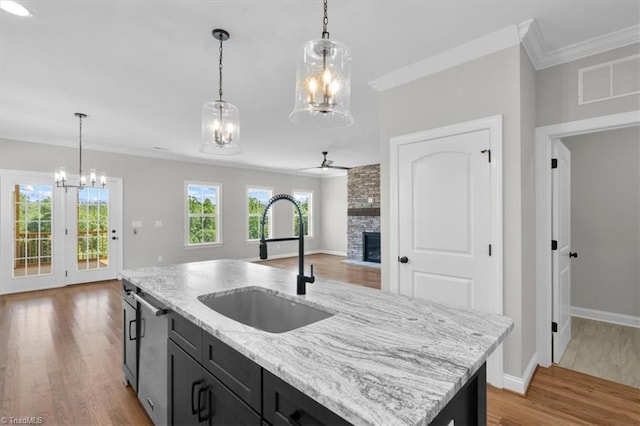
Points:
(326, 164)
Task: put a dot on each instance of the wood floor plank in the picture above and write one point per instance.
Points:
(61, 349)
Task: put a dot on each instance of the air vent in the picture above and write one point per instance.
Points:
(609, 80)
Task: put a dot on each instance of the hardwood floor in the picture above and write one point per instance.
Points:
(61, 357)
(328, 266)
(61, 350)
(558, 396)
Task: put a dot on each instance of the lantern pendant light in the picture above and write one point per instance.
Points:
(220, 119)
(323, 82)
(61, 173)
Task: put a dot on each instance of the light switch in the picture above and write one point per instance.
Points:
(136, 224)
(158, 224)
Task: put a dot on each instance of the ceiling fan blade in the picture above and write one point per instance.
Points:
(340, 167)
(308, 168)
(327, 163)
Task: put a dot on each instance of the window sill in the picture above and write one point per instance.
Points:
(203, 245)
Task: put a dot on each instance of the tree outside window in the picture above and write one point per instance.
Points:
(257, 199)
(203, 213)
(304, 199)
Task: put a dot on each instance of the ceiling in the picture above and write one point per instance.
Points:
(141, 70)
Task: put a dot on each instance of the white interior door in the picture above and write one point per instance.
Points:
(32, 247)
(444, 220)
(92, 233)
(448, 219)
(561, 260)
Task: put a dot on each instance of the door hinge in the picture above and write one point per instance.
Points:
(554, 163)
(554, 327)
(488, 151)
(66, 231)
(554, 245)
(489, 249)
(66, 273)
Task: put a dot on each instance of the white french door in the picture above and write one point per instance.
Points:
(51, 237)
(92, 233)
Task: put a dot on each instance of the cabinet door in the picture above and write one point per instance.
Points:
(225, 408)
(186, 385)
(234, 370)
(285, 405)
(129, 344)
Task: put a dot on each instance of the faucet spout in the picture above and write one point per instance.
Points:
(302, 279)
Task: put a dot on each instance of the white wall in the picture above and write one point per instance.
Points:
(557, 90)
(154, 190)
(484, 87)
(334, 214)
(605, 220)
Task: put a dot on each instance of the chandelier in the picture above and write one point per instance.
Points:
(323, 82)
(220, 119)
(61, 173)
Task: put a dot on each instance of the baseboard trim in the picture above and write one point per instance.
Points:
(610, 317)
(282, 255)
(521, 384)
(334, 253)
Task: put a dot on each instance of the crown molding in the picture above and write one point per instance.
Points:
(542, 58)
(467, 52)
(528, 33)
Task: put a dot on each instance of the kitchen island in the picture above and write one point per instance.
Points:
(380, 359)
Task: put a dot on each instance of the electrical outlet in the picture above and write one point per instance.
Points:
(158, 224)
(160, 258)
(136, 224)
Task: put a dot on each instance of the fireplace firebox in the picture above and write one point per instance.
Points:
(371, 247)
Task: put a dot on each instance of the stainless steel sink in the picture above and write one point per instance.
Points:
(264, 311)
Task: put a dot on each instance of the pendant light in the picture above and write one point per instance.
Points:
(61, 173)
(220, 119)
(323, 82)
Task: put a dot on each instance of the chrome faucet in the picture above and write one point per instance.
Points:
(302, 279)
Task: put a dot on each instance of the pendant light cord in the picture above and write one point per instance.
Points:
(220, 72)
(80, 138)
(325, 22)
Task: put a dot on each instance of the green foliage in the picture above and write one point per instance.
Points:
(202, 221)
(256, 208)
(304, 208)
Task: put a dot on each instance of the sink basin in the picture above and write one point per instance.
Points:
(264, 311)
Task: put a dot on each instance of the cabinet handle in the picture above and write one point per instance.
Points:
(193, 391)
(202, 391)
(131, 322)
(294, 418)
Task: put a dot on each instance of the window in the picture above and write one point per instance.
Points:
(304, 199)
(203, 213)
(257, 199)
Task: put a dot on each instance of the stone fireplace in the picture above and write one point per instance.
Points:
(363, 202)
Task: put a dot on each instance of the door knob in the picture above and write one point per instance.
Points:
(403, 259)
(572, 254)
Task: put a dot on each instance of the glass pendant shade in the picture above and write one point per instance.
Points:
(220, 128)
(323, 85)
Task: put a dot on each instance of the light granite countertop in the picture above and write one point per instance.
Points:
(382, 359)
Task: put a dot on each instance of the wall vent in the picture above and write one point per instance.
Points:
(609, 80)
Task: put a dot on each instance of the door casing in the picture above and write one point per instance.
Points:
(544, 137)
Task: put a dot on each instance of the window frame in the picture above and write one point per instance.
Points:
(309, 233)
(218, 215)
(269, 213)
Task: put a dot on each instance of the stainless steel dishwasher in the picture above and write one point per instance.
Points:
(152, 363)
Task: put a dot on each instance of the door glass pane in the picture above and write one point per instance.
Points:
(32, 248)
(93, 228)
